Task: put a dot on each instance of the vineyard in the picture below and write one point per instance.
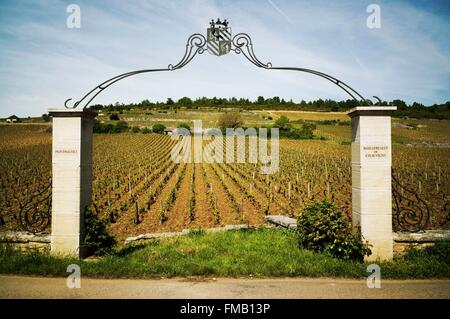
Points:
(138, 189)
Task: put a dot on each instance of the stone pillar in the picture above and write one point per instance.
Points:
(371, 177)
(72, 178)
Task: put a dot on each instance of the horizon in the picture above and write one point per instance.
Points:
(136, 104)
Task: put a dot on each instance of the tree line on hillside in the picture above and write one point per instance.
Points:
(227, 120)
(416, 110)
(122, 127)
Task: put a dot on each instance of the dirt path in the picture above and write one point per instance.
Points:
(227, 288)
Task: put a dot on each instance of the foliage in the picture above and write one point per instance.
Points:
(97, 239)
(46, 117)
(114, 117)
(102, 128)
(415, 109)
(135, 129)
(283, 123)
(119, 127)
(440, 250)
(185, 101)
(146, 130)
(322, 227)
(289, 131)
(158, 128)
(230, 120)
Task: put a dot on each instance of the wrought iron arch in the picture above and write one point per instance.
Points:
(218, 42)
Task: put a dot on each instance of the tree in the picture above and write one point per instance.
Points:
(170, 101)
(260, 100)
(146, 103)
(46, 117)
(158, 128)
(114, 117)
(282, 123)
(417, 106)
(276, 100)
(185, 101)
(230, 120)
(400, 104)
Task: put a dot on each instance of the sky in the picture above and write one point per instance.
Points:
(43, 62)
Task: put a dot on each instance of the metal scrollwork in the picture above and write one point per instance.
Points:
(195, 44)
(411, 213)
(219, 43)
(35, 214)
(243, 44)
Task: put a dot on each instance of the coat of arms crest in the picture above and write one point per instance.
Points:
(219, 37)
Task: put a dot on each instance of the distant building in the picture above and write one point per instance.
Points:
(169, 130)
(13, 119)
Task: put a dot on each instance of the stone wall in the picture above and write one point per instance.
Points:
(402, 241)
(25, 241)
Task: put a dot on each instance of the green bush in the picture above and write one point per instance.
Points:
(283, 123)
(114, 117)
(146, 130)
(97, 239)
(102, 128)
(158, 128)
(135, 129)
(121, 126)
(322, 227)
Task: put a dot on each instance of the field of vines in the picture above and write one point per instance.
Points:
(138, 189)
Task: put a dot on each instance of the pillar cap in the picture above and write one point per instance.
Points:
(371, 110)
(86, 113)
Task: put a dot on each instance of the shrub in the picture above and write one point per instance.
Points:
(322, 227)
(97, 239)
(283, 123)
(120, 127)
(146, 130)
(135, 129)
(102, 128)
(309, 128)
(158, 128)
(230, 120)
(114, 117)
